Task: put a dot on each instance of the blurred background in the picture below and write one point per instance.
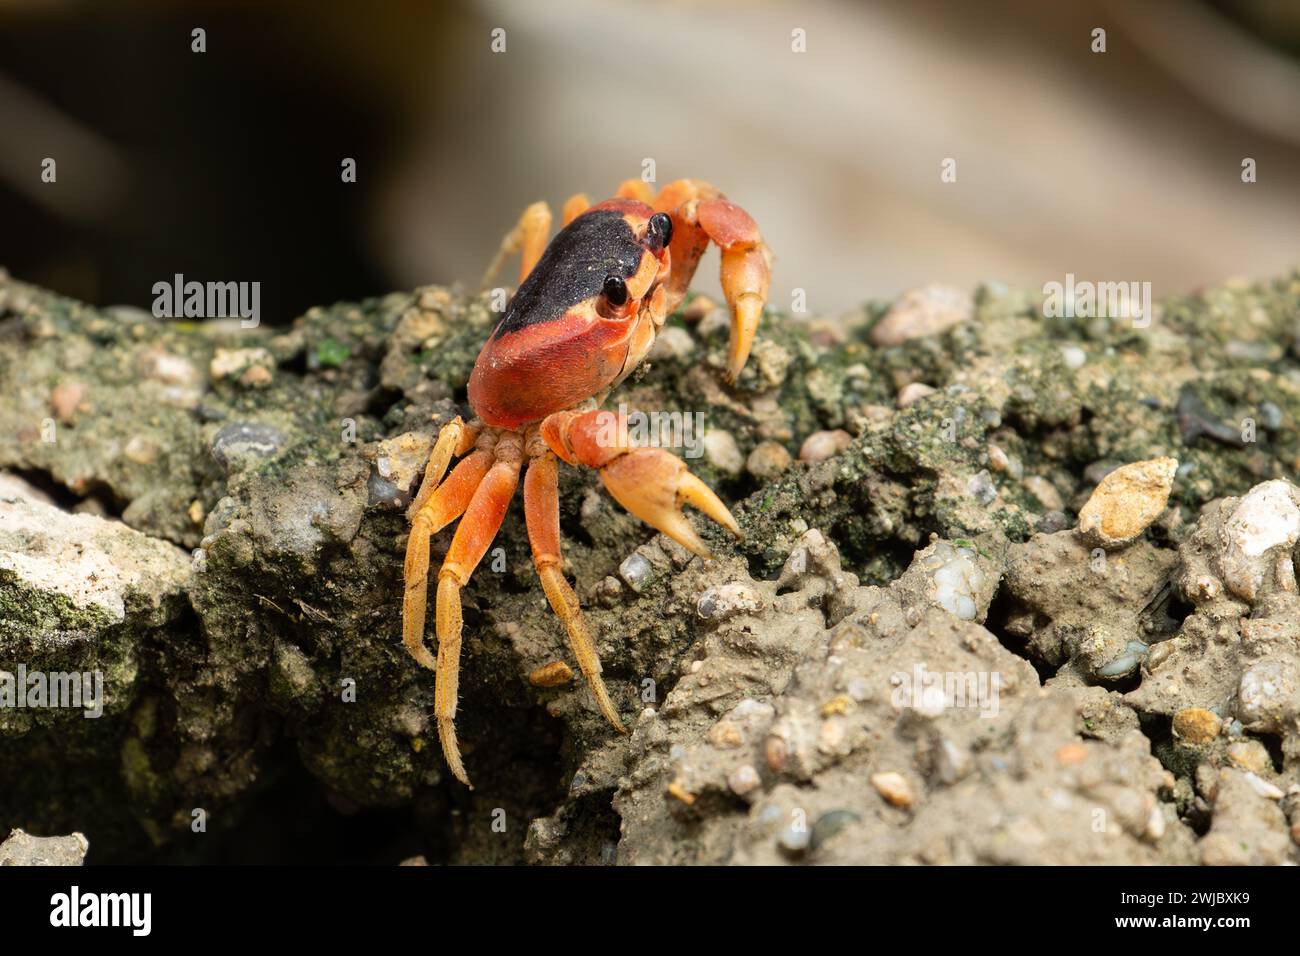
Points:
(225, 165)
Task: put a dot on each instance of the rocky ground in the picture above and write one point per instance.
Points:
(956, 630)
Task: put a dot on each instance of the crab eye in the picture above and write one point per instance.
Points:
(660, 231)
(615, 290)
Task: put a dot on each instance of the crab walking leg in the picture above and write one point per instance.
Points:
(650, 483)
(574, 207)
(637, 189)
(702, 214)
(443, 506)
(542, 511)
(454, 439)
(487, 509)
(529, 237)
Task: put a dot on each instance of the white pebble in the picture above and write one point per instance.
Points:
(723, 452)
(1073, 356)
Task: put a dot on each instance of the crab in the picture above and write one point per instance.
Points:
(586, 312)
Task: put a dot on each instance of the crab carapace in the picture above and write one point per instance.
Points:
(588, 307)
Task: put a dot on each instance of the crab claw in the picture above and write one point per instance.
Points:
(745, 313)
(653, 484)
(746, 273)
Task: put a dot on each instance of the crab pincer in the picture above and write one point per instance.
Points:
(702, 215)
(650, 483)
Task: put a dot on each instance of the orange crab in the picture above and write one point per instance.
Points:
(585, 314)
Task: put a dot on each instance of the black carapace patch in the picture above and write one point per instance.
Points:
(573, 268)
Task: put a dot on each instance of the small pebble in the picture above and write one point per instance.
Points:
(726, 735)
(401, 460)
(227, 363)
(829, 824)
(1197, 725)
(636, 571)
(1258, 353)
(1268, 694)
(744, 779)
(952, 763)
(698, 308)
(1069, 755)
(981, 487)
(256, 376)
(673, 343)
(242, 442)
(1195, 419)
(727, 600)
(913, 393)
(877, 414)
(822, 445)
(830, 736)
(416, 327)
(167, 368)
(998, 459)
(1262, 787)
(1045, 492)
(1053, 521)
(141, 450)
(893, 787)
(1249, 755)
(926, 311)
(554, 674)
(768, 460)
(836, 706)
(679, 792)
(954, 580)
(1127, 662)
(1265, 522)
(772, 362)
(66, 400)
(1126, 502)
(794, 840)
(776, 751)
(1073, 356)
(723, 453)
(1155, 827)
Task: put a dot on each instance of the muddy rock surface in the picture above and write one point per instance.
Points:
(924, 650)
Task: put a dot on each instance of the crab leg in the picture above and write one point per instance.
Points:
(528, 237)
(574, 207)
(637, 189)
(442, 507)
(650, 483)
(700, 214)
(454, 440)
(483, 517)
(542, 511)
